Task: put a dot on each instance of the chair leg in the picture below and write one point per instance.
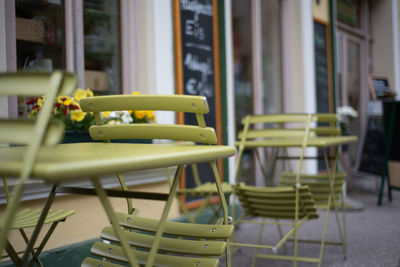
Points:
(332, 173)
(35, 256)
(321, 252)
(224, 206)
(39, 224)
(344, 228)
(13, 254)
(10, 212)
(164, 216)
(114, 221)
(253, 263)
(43, 243)
(281, 234)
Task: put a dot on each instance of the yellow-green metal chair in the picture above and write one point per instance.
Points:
(275, 205)
(283, 131)
(204, 190)
(30, 135)
(154, 242)
(323, 186)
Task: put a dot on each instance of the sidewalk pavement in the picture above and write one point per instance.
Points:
(373, 234)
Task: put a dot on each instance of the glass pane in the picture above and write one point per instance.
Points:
(102, 46)
(242, 77)
(271, 67)
(348, 12)
(242, 59)
(40, 38)
(40, 35)
(353, 76)
(271, 56)
(353, 91)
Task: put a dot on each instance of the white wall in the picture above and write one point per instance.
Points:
(8, 106)
(298, 75)
(298, 56)
(384, 53)
(3, 58)
(154, 61)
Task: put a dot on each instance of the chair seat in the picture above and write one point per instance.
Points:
(318, 184)
(115, 252)
(205, 189)
(275, 202)
(27, 218)
(208, 231)
(170, 245)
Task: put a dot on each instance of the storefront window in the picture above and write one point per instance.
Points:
(102, 46)
(243, 77)
(40, 35)
(271, 56)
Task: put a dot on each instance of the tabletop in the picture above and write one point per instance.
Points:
(66, 162)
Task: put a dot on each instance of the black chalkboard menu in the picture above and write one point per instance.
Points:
(196, 59)
(372, 152)
(380, 87)
(197, 63)
(322, 86)
(321, 67)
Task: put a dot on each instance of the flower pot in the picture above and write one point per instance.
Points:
(84, 136)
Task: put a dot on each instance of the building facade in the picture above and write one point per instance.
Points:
(274, 56)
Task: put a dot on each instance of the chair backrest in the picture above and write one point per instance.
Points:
(49, 85)
(275, 202)
(31, 134)
(176, 103)
(196, 105)
(290, 125)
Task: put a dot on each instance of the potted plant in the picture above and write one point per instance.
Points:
(77, 122)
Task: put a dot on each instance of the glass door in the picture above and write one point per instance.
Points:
(351, 91)
(257, 52)
(243, 86)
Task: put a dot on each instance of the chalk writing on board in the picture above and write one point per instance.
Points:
(194, 86)
(380, 86)
(197, 47)
(197, 7)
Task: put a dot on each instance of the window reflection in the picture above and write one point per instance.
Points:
(40, 35)
(102, 46)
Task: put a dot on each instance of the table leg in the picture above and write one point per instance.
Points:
(114, 221)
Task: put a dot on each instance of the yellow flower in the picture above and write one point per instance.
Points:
(79, 94)
(140, 114)
(40, 101)
(136, 93)
(106, 114)
(89, 93)
(77, 115)
(67, 100)
(150, 114)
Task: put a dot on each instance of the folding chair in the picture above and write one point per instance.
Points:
(205, 190)
(321, 185)
(31, 135)
(157, 242)
(282, 131)
(276, 204)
